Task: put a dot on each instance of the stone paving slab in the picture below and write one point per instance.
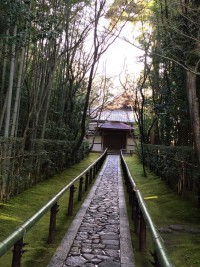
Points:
(99, 234)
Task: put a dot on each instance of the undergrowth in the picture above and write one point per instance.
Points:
(166, 209)
(19, 208)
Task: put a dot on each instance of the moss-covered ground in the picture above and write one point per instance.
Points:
(19, 208)
(167, 208)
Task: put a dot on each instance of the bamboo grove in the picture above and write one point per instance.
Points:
(49, 51)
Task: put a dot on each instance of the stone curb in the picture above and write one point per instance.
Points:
(126, 250)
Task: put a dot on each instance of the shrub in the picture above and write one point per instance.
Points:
(20, 169)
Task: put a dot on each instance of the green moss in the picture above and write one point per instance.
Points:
(167, 208)
(19, 208)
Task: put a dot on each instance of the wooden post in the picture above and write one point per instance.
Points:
(134, 200)
(156, 261)
(142, 238)
(71, 200)
(137, 218)
(126, 180)
(90, 178)
(86, 181)
(98, 166)
(17, 253)
(130, 189)
(93, 172)
(52, 223)
(95, 169)
(101, 162)
(80, 190)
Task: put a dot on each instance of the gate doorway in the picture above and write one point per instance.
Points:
(114, 140)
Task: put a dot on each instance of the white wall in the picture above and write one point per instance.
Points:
(92, 126)
(130, 144)
(97, 146)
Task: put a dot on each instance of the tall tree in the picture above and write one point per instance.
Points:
(174, 51)
(178, 21)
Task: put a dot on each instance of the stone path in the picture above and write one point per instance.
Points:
(99, 235)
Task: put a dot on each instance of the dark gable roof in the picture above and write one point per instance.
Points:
(117, 116)
(115, 126)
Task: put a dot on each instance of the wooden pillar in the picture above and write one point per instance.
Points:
(137, 218)
(52, 223)
(17, 253)
(71, 200)
(80, 190)
(142, 237)
(86, 181)
(90, 176)
(156, 261)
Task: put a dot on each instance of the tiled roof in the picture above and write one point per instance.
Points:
(115, 125)
(116, 115)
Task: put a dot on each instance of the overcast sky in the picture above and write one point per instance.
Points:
(122, 55)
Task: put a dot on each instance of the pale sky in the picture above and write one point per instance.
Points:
(122, 56)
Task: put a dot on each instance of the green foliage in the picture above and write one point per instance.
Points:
(19, 208)
(178, 166)
(174, 48)
(166, 208)
(21, 169)
(168, 106)
(179, 36)
(129, 10)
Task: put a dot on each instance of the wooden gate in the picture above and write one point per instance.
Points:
(114, 140)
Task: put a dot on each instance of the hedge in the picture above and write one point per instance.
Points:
(178, 166)
(20, 169)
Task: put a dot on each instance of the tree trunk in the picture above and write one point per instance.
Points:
(194, 110)
(17, 97)
(4, 105)
(4, 67)
(19, 85)
(10, 87)
(3, 111)
(46, 109)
